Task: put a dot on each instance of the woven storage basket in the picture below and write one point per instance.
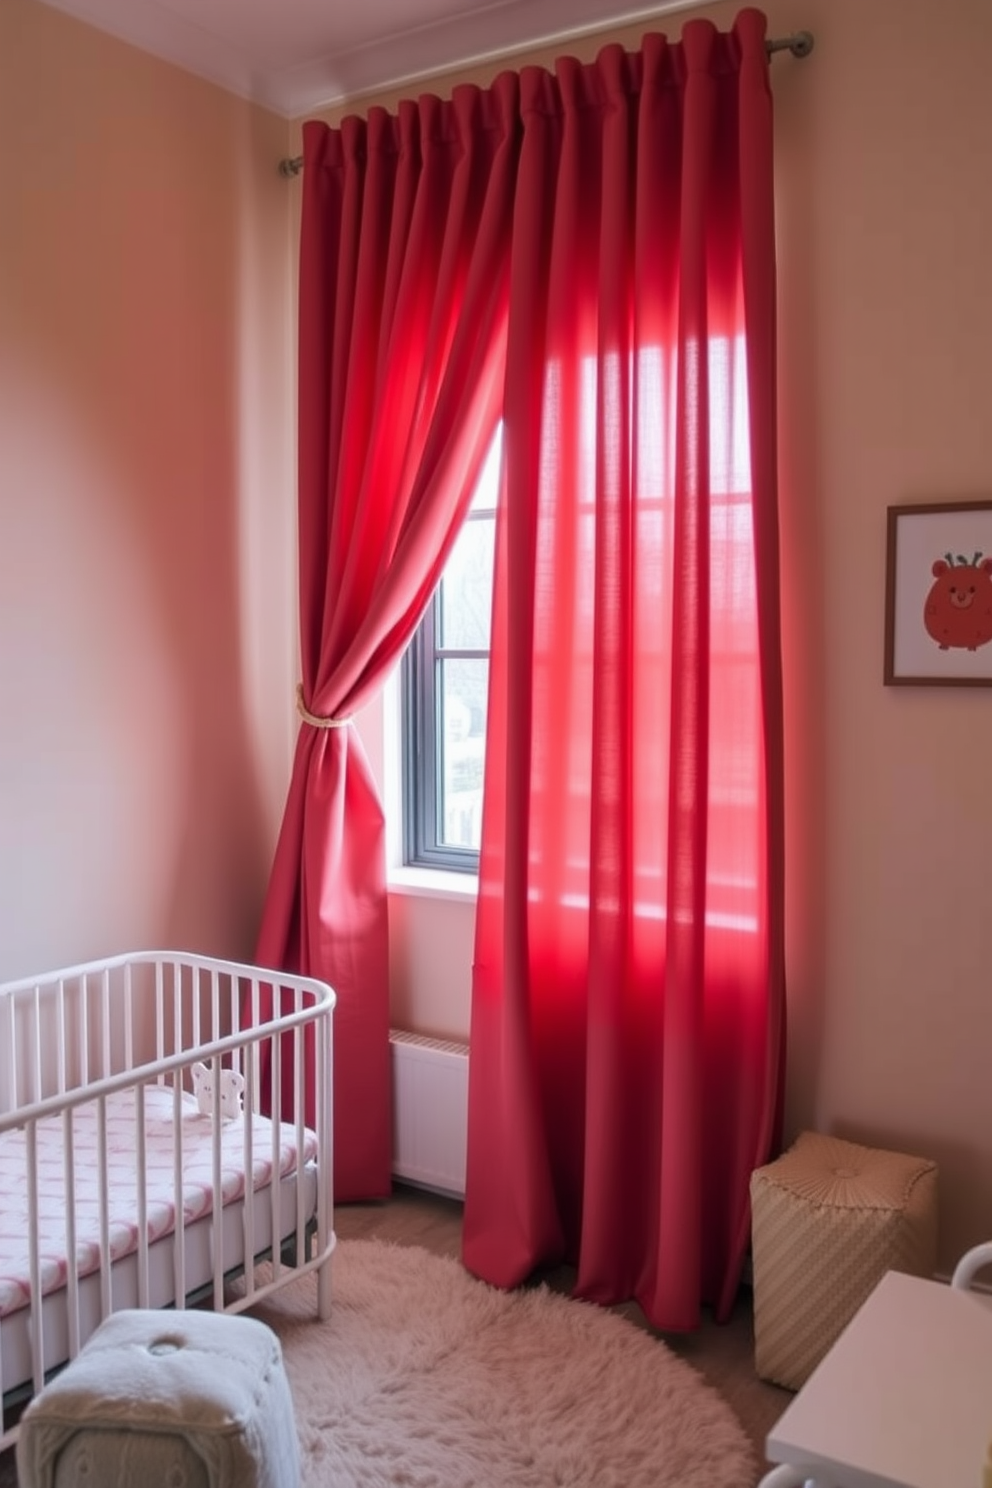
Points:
(828, 1219)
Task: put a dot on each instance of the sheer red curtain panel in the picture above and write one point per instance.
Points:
(628, 995)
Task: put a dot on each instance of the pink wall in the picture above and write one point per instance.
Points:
(146, 524)
(147, 627)
(884, 142)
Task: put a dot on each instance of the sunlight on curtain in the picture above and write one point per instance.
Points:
(735, 749)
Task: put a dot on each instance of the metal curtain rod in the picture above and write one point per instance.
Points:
(800, 44)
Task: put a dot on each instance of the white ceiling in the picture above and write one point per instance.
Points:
(298, 55)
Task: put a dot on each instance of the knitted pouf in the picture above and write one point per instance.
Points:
(828, 1219)
(190, 1398)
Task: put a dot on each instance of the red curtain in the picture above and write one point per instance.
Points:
(628, 993)
(403, 282)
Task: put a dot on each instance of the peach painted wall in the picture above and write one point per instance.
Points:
(147, 625)
(147, 523)
(884, 141)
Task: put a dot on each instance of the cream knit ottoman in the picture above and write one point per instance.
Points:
(828, 1219)
(183, 1399)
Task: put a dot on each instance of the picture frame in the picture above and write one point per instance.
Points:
(938, 595)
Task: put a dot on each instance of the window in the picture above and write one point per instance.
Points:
(446, 668)
(445, 682)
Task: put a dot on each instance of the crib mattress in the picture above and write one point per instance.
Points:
(159, 1168)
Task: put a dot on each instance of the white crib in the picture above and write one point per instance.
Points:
(107, 1156)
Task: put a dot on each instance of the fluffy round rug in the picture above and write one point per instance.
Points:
(427, 1378)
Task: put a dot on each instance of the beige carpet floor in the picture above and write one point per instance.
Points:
(427, 1378)
(722, 1352)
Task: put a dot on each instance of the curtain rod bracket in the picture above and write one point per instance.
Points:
(800, 44)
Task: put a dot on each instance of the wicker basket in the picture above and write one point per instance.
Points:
(828, 1219)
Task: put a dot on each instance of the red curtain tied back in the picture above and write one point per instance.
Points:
(403, 288)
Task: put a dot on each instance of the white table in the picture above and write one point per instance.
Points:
(902, 1400)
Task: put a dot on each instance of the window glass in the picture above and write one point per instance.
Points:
(465, 601)
(462, 693)
(445, 692)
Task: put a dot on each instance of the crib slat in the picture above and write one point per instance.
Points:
(13, 1098)
(72, 1269)
(60, 1041)
(159, 1015)
(256, 1048)
(179, 1219)
(324, 1079)
(105, 1069)
(84, 1030)
(234, 1015)
(177, 1006)
(104, 1197)
(141, 1194)
(38, 1088)
(276, 1118)
(128, 1019)
(216, 1134)
(298, 1099)
(248, 1212)
(214, 1004)
(37, 1335)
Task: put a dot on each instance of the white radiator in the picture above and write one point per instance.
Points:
(430, 1111)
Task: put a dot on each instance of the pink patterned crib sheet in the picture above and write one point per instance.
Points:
(159, 1171)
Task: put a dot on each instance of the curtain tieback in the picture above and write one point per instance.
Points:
(314, 718)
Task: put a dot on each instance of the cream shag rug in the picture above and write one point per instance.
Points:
(427, 1378)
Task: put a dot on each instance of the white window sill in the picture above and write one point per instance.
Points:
(432, 883)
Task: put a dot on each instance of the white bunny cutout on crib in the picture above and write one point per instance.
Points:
(231, 1085)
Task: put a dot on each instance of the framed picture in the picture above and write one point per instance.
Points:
(938, 595)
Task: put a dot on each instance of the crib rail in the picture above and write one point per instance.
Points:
(79, 1045)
